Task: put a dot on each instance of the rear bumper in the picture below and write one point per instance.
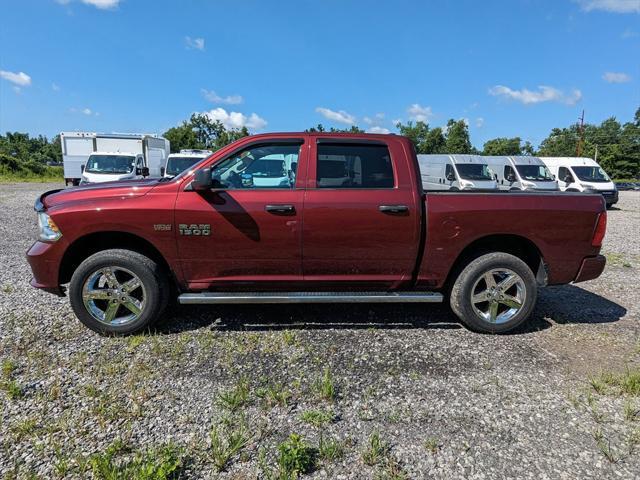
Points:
(591, 268)
(44, 259)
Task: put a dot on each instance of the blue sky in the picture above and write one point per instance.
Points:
(511, 67)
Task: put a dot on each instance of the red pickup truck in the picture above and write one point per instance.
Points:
(306, 217)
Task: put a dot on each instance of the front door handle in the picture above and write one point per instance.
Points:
(393, 209)
(280, 209)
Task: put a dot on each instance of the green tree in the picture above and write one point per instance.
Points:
(457, 138)
(507, 146)
(417, 133)
(201, 132)
(320, 128)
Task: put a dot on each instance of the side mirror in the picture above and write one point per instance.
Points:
(81, 168)
(162, 171)
(451, 177)
(144, 171)
(567, 179)
(202, 180)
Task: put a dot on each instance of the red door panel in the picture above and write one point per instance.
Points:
(346, 236)
(246, 243)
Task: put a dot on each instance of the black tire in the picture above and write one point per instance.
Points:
(152, 277)
(461, 293)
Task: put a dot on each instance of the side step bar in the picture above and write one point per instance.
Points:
(309, 297)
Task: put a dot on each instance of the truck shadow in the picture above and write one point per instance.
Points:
(565, 304)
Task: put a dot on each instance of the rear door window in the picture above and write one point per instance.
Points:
(354, 166)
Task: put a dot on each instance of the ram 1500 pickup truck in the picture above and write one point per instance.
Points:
(309, 217)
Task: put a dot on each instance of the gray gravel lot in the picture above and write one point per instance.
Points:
(447, 403)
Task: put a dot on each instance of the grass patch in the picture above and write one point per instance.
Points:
(295, 457)
(375, 451)
(317, 418)
(330, 449)
(626, 383)
(235, 398)
(324, 386)
(273, 394)
(119, 462)
(432, 445)
(226, 442)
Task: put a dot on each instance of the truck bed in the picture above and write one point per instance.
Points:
(550, 221)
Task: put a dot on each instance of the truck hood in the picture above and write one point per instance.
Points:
(91, 192)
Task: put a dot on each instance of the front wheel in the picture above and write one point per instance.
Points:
(118, 292)
(495, 293)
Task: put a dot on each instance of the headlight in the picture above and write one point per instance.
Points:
(49, 231)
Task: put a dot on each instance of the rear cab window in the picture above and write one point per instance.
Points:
(352, 165)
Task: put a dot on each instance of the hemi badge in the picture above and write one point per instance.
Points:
(162, 227)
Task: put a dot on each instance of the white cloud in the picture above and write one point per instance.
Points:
(87, 111)
(55, 87)
(197, 43)
(628, 33)
(615, 6)
(419, 113)
(377, 129)
(17, 89)
(479, 122)
(367, 120)
(237, 119)
(100, 4)
(396, 121)
(21, 79)
(340, 116)
(215, 98)
(616, 77)
(544, 94)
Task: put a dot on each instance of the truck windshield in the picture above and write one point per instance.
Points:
(536, 173)
(110, 164)
(473, 171)
(591, 174)
(176, 165)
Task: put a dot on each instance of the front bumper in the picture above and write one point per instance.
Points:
(44, 259)
(610, 197)
(591, 268)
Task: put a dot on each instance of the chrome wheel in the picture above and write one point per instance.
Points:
(498, 295)
(114, 296)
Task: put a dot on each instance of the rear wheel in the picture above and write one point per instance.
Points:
(495, 293)
(118, 292)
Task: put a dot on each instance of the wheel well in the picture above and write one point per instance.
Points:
(86, 246)
(515, 245)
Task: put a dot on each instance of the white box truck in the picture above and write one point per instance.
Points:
(107, 148)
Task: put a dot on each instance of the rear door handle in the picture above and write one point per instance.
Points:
(280, 209)
(393, 208)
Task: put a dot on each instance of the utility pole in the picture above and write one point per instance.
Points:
(580, 136)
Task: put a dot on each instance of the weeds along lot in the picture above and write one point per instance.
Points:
(343, 391)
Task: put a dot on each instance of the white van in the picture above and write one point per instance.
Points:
(113, 166)
(579, 174)
(521, 173)
(455, 172)
(185, 159)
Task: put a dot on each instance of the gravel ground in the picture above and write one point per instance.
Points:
(444, 402)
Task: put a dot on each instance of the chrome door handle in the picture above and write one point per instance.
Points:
(393, 208)
(280, 209)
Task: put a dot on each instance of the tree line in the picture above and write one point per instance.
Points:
(615, 145)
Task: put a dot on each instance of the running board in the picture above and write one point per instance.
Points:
(310, 297)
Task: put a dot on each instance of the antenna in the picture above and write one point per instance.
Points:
(580, 135)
